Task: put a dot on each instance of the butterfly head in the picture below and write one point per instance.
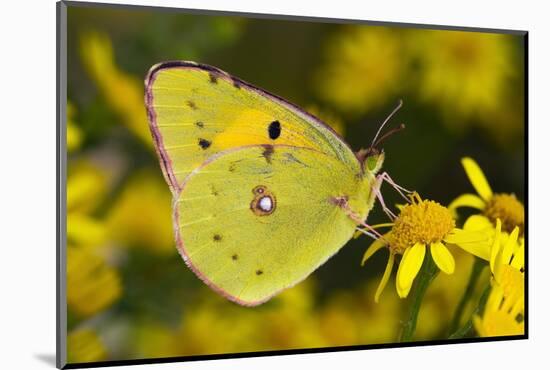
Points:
(371, 159)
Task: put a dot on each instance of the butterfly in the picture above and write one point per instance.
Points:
(263, 192)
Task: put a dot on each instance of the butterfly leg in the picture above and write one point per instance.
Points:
(376, 189)
(384, 176)
(342, 202)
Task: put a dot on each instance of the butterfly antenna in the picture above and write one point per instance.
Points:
(374, 141)
(389, 133)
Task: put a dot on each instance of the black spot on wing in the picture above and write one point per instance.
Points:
(274, 130)
(204, 144)
(236, 84)
(259, 272)
(234, 257)
(191, 104)
(217, 237)
(199, 124)
(213, 190)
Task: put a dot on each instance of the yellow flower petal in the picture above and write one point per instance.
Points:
(442, 257)
(385, 277)
(463, 236)
(473, 242)
(372, 249)
(510, 247)
(478, 222)
(467, 200)
(495, 299)
(477, 178)
(409, 267)
(495, 248)
(518, 261)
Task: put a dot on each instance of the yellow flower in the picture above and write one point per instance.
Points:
(505, 207)
(466, 73)
(92, 285)
(363, 69)
(122, 91)
(74, 134)
(381, 321)
(83, 345)
(507, 266)
(420, 224)
(86, 189)
(155, 339)
(501, 316)
(141, 215)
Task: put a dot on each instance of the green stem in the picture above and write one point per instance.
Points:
(477, 268)
(427, 274)
(466, 329)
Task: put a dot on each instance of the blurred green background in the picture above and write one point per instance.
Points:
(130, 295)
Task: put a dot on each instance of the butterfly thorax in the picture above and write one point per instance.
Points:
(357, 204)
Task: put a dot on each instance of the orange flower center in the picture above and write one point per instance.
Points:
(423, 221)
(508, 209)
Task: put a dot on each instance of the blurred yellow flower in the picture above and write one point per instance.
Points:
(141, 214)
(83, 345)
(505, 207)
(122, 91)
(74, 134)
(85, 230)
(466, 73)
(351, 317)
(212, 326)
(152, 339)
(338, 320)
(420, 224)
(363, 69)
(381, 321)
(292, 321)
(92, 285)
(86, 186)
(328, 117)
(86, 189)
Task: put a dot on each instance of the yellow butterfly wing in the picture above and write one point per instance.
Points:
(196, 111)
(254, 220)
